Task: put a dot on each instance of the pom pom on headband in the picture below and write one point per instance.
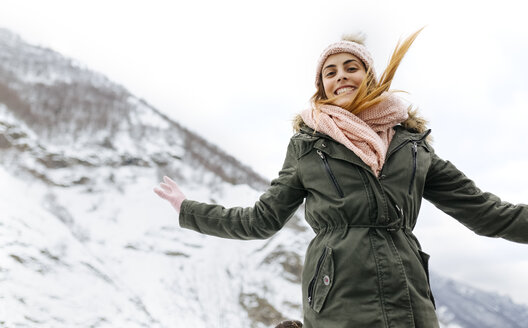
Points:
(352, 47)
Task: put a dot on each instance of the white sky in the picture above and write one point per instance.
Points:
(238, 71)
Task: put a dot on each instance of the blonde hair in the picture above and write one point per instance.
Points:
(370, 91)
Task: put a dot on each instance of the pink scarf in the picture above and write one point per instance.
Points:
(368, 134)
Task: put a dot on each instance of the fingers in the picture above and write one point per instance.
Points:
(169, 181)
(169, 185)
(173, 185)
(161, 193)
(165, 187)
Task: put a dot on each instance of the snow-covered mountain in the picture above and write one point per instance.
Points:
(461, 306)
(84, 242)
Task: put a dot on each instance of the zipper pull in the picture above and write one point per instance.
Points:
(399, 210)
(320, 153)
(414, 158)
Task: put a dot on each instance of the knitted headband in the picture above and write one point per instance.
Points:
(353, 48)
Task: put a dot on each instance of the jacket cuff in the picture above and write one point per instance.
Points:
(186, 218)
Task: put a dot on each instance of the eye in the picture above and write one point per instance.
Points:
(329, 74)
(352, 69)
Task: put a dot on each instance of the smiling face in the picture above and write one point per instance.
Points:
(341, 75)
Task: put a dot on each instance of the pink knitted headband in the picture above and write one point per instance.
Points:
(353, 48)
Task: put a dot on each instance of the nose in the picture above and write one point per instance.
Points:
(341, 76)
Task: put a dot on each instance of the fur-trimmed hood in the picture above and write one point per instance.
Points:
(414, 123)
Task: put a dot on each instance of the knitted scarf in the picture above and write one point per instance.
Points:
(368, 134)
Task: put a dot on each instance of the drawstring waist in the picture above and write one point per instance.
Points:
(390, 227)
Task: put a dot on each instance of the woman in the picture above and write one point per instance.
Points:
(362, 162)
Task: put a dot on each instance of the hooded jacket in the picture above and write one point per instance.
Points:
(364, 267)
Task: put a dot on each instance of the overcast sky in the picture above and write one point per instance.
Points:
(237, 72)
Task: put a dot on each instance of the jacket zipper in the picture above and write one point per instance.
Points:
(329, 171)
(311, 286)
(400, 146)
(414, 156)
(370, 194)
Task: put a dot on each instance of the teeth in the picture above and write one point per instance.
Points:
(340, 91)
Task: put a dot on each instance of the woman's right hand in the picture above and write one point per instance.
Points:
(169, 191)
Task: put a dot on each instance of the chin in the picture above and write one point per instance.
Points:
(343, 101)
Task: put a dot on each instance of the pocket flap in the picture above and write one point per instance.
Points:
(324, 279)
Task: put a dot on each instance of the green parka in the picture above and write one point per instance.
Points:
(364, 267)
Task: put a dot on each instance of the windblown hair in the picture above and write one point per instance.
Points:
(370, 92)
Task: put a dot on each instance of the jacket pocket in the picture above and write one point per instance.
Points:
(322, 280)
(331, 174)
(425, 262)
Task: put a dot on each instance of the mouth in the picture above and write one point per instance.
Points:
(344, 90)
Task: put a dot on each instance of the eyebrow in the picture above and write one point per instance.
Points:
(346, 62)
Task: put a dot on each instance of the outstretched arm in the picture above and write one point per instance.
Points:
(269, 214)
(484, 213)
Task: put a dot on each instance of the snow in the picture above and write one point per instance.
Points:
(119, 244)
(144, 116)
(48, 277)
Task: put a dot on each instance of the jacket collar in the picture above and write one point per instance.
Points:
(339, 151)
(333, 148)
(403, 136)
